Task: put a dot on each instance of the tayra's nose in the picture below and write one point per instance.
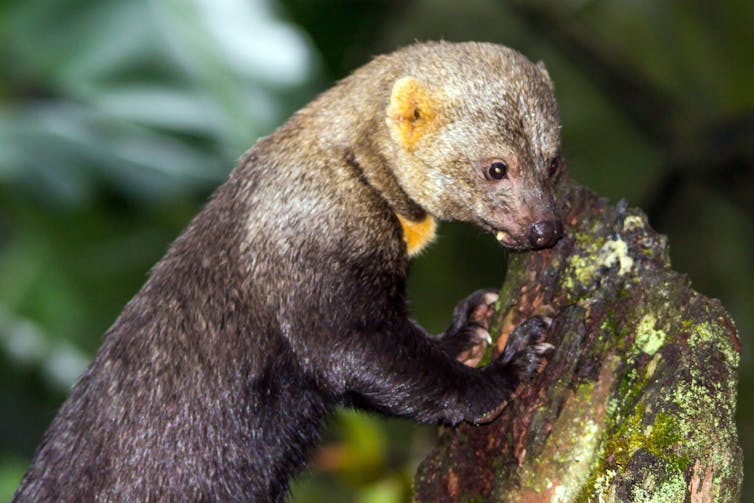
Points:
(545, 233)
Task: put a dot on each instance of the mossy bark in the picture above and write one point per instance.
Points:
(636, 403)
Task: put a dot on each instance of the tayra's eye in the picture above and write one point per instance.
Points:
(554, 166)
(497, 170)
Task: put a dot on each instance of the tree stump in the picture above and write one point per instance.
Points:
(637, 401)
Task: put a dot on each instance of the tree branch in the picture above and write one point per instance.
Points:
(638, 398)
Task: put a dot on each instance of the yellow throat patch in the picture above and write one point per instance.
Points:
(419, 234)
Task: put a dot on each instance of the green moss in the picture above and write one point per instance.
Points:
(631, 435)
(582, 267)
(614, 332)
(626, 440)
(662, 439)
(674, 439)
(630, 388)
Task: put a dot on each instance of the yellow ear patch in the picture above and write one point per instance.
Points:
(412, 112)
(419, 234)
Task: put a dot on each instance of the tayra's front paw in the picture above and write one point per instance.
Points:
(521, 358)
(467, 337)
(525, 347)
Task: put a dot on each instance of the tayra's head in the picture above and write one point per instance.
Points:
(476, 135)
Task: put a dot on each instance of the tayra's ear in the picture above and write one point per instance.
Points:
(543, 70)
(412, 113)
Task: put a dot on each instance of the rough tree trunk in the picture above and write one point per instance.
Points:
(637, 401)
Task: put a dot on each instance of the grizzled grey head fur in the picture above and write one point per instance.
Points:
(454, 118)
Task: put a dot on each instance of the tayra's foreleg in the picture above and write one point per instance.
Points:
(419, 377)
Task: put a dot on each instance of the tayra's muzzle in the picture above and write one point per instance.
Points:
(544, 234)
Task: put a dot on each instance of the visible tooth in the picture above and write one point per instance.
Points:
(501, 235)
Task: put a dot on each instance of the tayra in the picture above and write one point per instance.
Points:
(286, 295)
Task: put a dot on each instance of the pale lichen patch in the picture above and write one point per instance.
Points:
(603, 486)
(705, 333)
(597, 255)
(633, 222)
(648, 338)
(616, 251)
(669, 489)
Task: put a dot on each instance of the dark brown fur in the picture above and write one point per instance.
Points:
(286, 295)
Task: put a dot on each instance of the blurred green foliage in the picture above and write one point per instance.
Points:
(117, 118)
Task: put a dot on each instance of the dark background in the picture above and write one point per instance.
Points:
(118, 118)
